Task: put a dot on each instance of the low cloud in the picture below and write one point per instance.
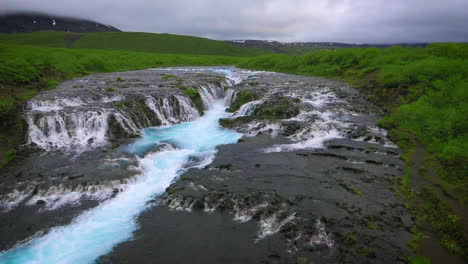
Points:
(357, 21)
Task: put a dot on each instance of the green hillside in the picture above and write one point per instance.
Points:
(129, 41)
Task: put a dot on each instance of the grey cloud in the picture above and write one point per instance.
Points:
(359, 21)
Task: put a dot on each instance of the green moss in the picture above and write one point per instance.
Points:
(7, 104)
(413, 244)
(281, 108)
(226, 122)
(119, 79)
(168, 77)
(366, 251)
(357, 191)
(444, 222)
(119, 105)
(242, 98)
(8, 157)
(110, 89)
(372, 225)
(194, 95)
(349, 239)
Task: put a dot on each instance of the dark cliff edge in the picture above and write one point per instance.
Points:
(32, 22)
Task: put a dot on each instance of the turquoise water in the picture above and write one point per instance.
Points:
(96, 231)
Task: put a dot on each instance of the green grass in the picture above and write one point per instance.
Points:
(420, 260)
(27, 70)
(23, 64)
(425, 91)
(129, 41)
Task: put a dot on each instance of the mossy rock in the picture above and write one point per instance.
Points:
(233, 122)
(242, 98)
(349, 239)
(278, 108)
(194, 95)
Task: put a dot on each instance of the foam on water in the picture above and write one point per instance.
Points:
(96, 231)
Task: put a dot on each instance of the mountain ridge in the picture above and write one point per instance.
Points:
(32, 22)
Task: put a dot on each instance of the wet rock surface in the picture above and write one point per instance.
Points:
(85, 125)
(326, 202)
(310, 182)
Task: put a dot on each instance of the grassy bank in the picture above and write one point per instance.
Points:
(129, 41)
(27, 70)
(424, 92)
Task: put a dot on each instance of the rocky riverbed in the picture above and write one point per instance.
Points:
(310, 181)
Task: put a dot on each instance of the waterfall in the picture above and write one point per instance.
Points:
(210, 93)
(167, 114)
(96, 231)
(80, 124)
(248, 108)
(230, 97)
(60, 130)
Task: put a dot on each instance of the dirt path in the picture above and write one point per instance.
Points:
(424, 175)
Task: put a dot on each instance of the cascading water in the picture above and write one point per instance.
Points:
(95, 232)
(75, 124)
(248, 108)
(230, 97)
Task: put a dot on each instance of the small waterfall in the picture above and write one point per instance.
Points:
(77, 124)
(230, 97)
(248, 108)
(60, 130)
(71, 122)
(210, 93)
(59, 103)
(172, 110)
(96, 231)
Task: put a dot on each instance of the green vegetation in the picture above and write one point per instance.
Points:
(365, 251)
(425, 89)
(196, 99)
(349, 239)
(420, 260)
(444, 222)
(9, 156)
(424, 92)
(226, 122)
(129, 41)
(283, 107)
(27, 70)
(241, 99)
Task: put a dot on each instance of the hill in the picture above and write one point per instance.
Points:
(30, 22)
(129, 41)
(269, 46)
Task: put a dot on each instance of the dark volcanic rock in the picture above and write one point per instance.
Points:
(310, 182)
(330, 204)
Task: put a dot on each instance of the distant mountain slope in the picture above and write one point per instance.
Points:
(29, 22)
(130, 41)
(304, 47)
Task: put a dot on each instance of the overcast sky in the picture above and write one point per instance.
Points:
(356, 21)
